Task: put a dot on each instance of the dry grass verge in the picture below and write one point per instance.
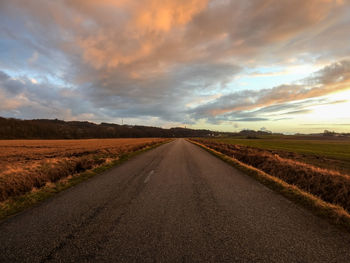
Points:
(21, 190)
(335, 213)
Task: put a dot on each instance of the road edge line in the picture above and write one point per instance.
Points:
(334, 214)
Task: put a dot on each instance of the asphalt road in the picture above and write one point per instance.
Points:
(176, 203)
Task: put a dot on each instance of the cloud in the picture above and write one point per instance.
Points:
(171, 60)
(22, 98)
(251, 119)
(159, 34)
(33, 58)
(297, 112)
(268, 74)
(337, 72)
(330, 79)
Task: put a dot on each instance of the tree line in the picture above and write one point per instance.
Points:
(57, 129)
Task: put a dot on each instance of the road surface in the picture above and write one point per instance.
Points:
(176, 203)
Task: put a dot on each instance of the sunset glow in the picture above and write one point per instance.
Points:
(226, 65)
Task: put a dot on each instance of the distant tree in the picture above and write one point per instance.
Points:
(328, 133)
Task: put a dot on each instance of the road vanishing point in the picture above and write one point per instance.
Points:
(175, 203)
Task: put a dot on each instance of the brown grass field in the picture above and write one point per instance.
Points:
(329, 185)
(27, 165)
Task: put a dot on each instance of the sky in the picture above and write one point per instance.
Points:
(282, 66)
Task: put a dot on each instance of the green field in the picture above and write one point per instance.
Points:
(326, 153)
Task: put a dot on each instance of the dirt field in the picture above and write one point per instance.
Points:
(29, 164)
